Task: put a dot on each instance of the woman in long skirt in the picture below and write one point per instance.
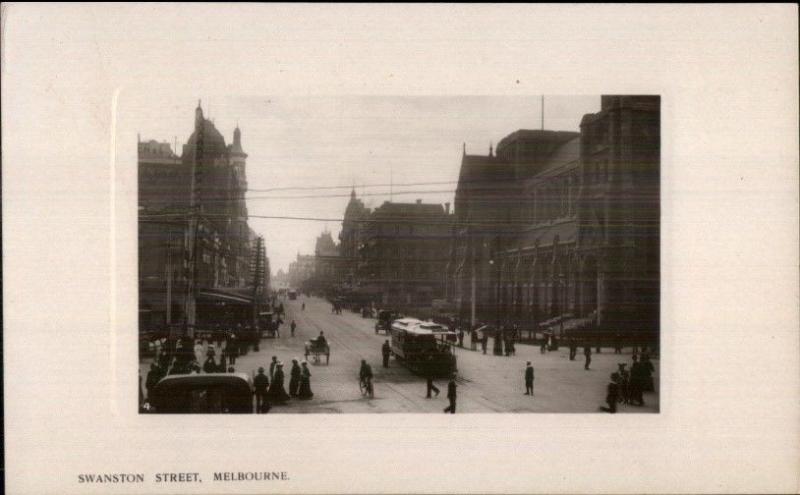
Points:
(305, 383)
(277, 394)
(294, 380)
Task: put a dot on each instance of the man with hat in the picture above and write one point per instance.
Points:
(386, 350)
(529, 379)
(261, 384)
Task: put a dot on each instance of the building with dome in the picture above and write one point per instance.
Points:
(218, 251)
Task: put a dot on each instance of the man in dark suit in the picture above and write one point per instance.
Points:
(451, 395)
(529, 379)
(387, 351)
(260, 385)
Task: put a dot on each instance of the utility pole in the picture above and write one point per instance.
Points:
(472, 289)
(194, 207)
(257, 277)
(169, 280)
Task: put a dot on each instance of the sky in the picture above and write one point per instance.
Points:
(321, 142)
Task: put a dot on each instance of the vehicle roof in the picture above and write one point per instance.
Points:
(205, 379)
(429, 328)
(406, 321)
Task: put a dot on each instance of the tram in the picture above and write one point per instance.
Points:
(425, 348)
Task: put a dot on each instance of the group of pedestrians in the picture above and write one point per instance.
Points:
(270, 390)
(629, 386)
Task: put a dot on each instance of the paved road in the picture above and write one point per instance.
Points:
(487, 383)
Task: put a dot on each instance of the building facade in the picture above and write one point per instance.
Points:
(404, 253)
(301, 272)
(351, 239)
(197, 253)
(577, 215)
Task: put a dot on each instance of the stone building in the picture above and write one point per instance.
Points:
(404, 253)
(224, 247)
(351, 237)
(577, 225)
(327, 265)
(301, 272)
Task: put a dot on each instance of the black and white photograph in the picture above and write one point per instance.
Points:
(396, 254)
(367, 248)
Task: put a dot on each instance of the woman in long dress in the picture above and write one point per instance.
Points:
(305, 383)
(277, 394)
(295, 376)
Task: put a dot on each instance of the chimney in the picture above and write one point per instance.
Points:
(447, 208)
(419, 201)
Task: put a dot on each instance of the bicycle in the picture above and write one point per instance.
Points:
(365, 384)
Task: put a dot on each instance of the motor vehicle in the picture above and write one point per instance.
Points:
(292, 295)
(203, 393)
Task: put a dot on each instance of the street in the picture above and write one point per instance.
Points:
(486, 383)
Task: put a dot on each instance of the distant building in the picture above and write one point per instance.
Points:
(563, 226)
(404, 253)
(327, 265)
(351, 239)
(301, 271)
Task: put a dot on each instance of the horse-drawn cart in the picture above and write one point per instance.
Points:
(317, 348)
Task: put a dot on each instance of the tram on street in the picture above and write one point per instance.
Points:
(424, 347)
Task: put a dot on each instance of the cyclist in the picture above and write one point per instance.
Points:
(365, 375)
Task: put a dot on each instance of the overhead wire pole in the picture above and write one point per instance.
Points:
(257, 275)
(194, 206)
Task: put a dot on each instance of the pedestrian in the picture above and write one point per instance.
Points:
(365, 375)
(232, 347)
(429, 378)
(617, 343)
(473, 340)
(304, 306)
(460, 338)
(222, 363)
(292, 327)
(198, 351)
(305, 392)
(260, 388)
(587, 353)
(573, 348)
(543, 344)
(529, 379)
(386, 350)
(637, 383)
(612, 394)
(624, 383)
(451, 395)
(272, 366)
(485, 341)
(277, 394)
(294, 378)
(210, 366)
(497, 349)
